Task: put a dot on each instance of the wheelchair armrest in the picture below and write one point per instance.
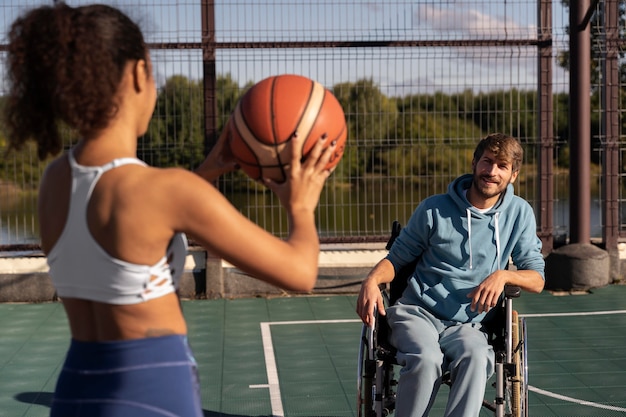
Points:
(512, 291)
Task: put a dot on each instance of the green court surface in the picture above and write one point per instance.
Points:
(297, 356)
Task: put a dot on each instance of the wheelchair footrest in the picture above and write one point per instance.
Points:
(489, 406)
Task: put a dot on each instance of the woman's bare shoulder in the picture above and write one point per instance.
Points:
(178, 180)
(58, 166)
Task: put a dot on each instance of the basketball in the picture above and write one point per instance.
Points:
(267, 115)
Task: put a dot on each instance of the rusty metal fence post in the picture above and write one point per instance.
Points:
(580, 122)
(610, 125)
(545, 128)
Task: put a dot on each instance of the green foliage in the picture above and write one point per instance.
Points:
(513, 112)
(228, 94)
(389, 137)
(21, 167)
(422, 162)
(370, 117)
(370, 114)
(176, 136)
(176, 133)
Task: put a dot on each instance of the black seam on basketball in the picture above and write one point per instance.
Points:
(272, 114)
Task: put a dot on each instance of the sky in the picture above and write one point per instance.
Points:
(398, 71)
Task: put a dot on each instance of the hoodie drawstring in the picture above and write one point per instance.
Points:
(469, 236)
(497, 232)
(497, 236)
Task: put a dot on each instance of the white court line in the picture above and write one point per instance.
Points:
(564, 397)
(574, 400)
(580, 313)
(272, 371)
(270, 360)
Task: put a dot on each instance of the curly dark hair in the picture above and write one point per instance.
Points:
(65, 64)
(504, 147)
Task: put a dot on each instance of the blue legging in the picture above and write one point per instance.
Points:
(139, 378)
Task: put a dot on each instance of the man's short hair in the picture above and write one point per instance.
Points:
(504, 147)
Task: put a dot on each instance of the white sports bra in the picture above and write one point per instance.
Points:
(81, 268)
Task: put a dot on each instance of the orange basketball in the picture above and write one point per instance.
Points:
(268, 114)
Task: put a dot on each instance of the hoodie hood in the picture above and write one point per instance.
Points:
(458, 246)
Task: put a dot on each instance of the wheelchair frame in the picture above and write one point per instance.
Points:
(376, 381)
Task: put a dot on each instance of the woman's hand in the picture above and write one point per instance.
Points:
(220, 160)
(305, 179)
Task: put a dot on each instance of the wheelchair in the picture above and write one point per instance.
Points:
(377, 365)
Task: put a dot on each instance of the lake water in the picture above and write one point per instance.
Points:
(18, 220)
(354, 215)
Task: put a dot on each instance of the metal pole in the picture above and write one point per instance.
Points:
(545, 128)
(610, 125)
(209, 74)
(580, 122)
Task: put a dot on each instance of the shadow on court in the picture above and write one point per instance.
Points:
(45, 399)
(39, 398)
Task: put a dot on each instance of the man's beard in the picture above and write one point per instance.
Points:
(488, 192)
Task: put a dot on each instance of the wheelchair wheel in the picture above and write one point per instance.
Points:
(375, 380)
(366, 373)
(519, 381)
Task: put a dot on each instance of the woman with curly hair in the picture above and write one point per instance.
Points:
(114, 228)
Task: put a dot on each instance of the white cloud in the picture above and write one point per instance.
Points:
(459, 19)
(485, 67)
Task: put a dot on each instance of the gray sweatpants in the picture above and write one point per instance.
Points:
(429, 347)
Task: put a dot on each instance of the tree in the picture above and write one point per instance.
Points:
(370, 117)
(176, 133)
(228, 94)
(513, 112)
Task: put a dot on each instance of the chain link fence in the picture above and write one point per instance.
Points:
(420, 82)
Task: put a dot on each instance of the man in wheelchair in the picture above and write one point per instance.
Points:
(460, 243)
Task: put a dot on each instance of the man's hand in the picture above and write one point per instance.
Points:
(486, 295)
(370, 295)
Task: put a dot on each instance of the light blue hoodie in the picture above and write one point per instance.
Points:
(459, 247)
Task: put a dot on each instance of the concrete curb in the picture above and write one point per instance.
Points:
(24, 276)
